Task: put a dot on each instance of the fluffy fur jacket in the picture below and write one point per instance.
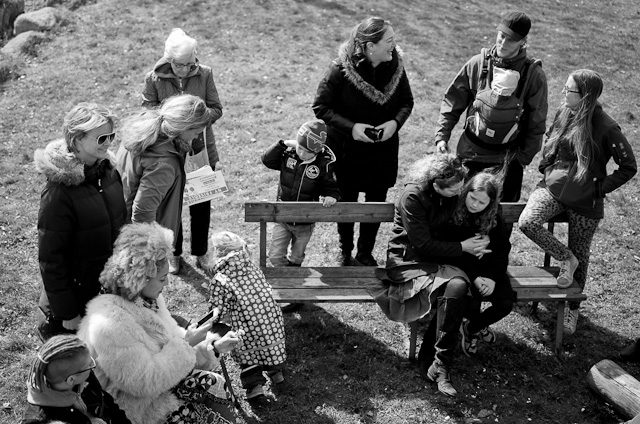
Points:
(141, 355)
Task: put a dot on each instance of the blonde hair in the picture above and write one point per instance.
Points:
(83, 118)
(225, 242)
(176, 115)
(179, 44)
(57, 348)
(139, 252)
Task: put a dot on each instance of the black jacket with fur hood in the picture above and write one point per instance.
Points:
(81, 211)
(351, 94)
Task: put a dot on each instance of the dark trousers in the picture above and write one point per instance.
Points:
(200, 220)
(368, 231)
(501, 300)
(512, 181)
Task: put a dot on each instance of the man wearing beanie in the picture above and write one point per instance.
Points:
(306, 175)
(507, 56)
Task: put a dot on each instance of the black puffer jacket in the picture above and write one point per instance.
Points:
(81, 212)
(302, 181)
(351, 94)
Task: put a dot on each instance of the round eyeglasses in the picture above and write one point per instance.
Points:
(183, 65)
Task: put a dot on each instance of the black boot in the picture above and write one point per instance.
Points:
(439, 373)
(448, 319)
(427, 348)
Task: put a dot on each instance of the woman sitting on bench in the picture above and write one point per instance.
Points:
(415, 279)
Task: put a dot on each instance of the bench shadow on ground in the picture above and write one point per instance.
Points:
(348, 363)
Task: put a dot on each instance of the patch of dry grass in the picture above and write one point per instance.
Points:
(347, 363)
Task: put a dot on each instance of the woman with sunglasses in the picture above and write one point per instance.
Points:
(416, 278)
(580, 143)
(151, 158)
(178, 72)
(81, 211)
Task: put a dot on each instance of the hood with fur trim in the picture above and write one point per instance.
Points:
(372, 93)
(61, 166)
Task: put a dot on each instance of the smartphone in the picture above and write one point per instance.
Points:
(373, 133)
(205, 318)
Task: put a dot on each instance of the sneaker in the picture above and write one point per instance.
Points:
(487, 335)
(439, 373)
(469, 341)
(202, 262)
(277, 378)
(365, 260)
(567, 269)
(174, 264)
(257, 391)
(571, 320)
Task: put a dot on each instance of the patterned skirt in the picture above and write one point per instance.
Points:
(204, 400)
(411, 300)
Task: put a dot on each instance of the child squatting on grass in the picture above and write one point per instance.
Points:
(240, 291)
(306, 175)
(63, 388)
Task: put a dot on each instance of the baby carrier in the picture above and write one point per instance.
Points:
(493, 120)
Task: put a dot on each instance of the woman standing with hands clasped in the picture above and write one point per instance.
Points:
(364, 99)
(580, 143)
(179, 72)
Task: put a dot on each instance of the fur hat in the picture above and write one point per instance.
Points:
(139, 251)
(516, 25)
(312, 135)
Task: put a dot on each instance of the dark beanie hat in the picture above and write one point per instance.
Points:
(312, 135)
(516, 25)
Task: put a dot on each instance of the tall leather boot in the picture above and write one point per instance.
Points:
(427, 348)
(449, 317)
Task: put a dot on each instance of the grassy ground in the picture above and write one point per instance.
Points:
(347, 363)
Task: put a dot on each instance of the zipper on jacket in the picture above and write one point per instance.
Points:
(301, 181)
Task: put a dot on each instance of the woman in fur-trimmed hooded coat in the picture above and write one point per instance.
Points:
(81, 211)
(366, 86)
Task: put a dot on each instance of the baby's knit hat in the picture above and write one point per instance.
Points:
(312, 135)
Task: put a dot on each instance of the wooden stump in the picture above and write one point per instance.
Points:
(616, 386)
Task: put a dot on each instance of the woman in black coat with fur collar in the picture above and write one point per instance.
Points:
(364, 99)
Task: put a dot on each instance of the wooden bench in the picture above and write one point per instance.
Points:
(349, 284)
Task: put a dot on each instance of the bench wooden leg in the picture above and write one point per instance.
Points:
(413, 338)
(560, 327)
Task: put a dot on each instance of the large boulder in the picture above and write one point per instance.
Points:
(39, 20)
(23, 43)
(9, 11)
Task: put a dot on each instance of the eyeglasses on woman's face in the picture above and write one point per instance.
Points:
(183, 65)
(105, 138)
(566, 90)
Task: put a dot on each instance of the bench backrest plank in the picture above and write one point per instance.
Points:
(309, 212)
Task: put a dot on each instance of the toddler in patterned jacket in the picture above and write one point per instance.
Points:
(239, 289)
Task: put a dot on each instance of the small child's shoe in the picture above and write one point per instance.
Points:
(277, 378)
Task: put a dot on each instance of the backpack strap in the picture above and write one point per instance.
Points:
(485, 75)
(525, 76)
